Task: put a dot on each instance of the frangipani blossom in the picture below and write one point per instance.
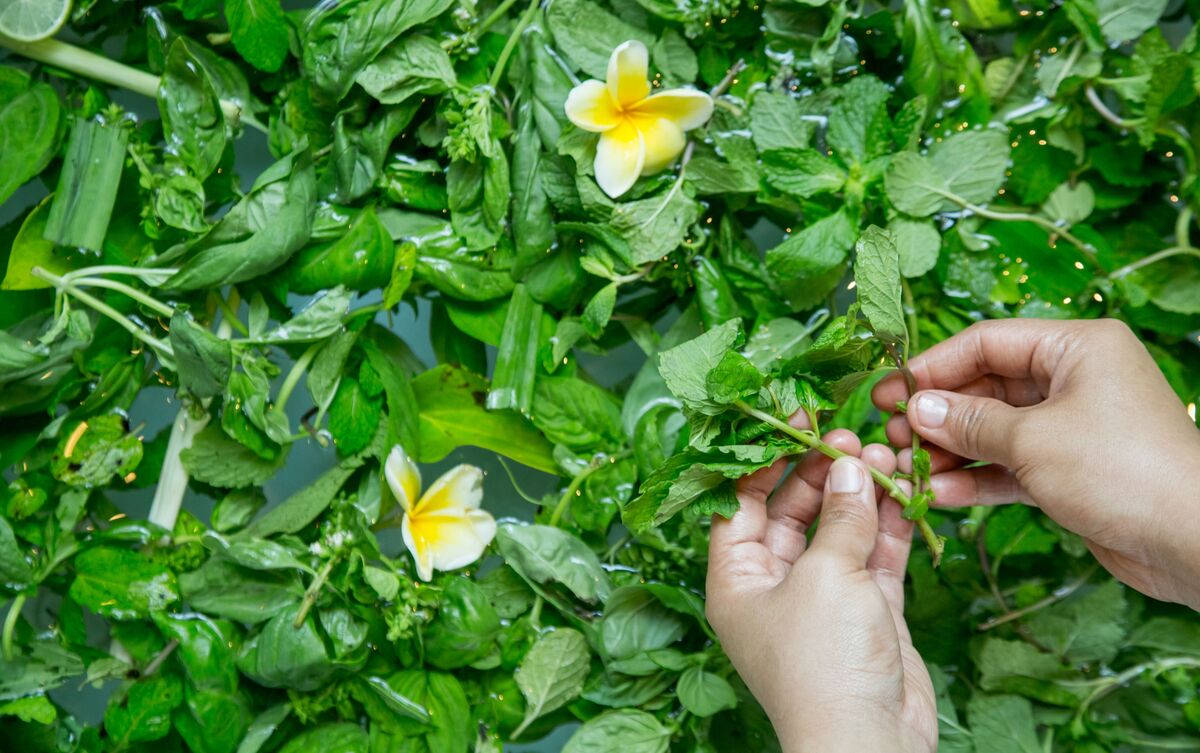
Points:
(640, 133)
(444, 527)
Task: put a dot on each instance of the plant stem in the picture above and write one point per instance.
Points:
(151, 303)
(299, 369)
(10, 625)
(810, 440)
(1045, 223)
(160, 657)
(1157, 666)
(87, 64)
(63, 286)
(313, 591)
(573, 491)
(492, 18)
(1102, 109)
(1154, 258)
(141, 273)
(502, 61)
(1053, 598)
(913, 345)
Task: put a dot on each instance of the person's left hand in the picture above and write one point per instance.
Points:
(817, 630)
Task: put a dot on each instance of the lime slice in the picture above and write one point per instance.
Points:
(31, 20)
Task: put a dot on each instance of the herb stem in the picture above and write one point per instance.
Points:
(1102, 109)
(142, 273)
(502, 61)
(1154, 258)
(63, 286)
(151, 303)
(299, 369)
(1043, 222)
(160, 657)
(573, 491)
(492, 18)
(809, 439)
(313, 591)
(1053, 598)
(229, 311)
(10, 624)
(913, 343)
(1157, 666)
(88, 64)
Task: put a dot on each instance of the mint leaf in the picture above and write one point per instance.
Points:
(877, 274)
(802, 172)
(917, 243)
(972, 163)
(685, 367)
(1002, 724)
(260, 32)
(812, 261)
(913, 185)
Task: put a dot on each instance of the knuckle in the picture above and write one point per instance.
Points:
(971, 425)
(849, 513)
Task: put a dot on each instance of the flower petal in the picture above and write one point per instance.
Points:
(686, 108)
(664, 141)
(619, 159)
(590, 107)
(460, 488)
(403, 477)
(447, 540)
(628, 69)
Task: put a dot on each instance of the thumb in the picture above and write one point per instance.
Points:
(849, 515)
(976, 428)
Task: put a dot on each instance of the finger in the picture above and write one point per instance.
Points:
(794, 507)
(889, 560)
(990, 485)
(979, 428)
(881, 458)
(849, 514)
(749, 523)
(1013, 348)
(1017, 392)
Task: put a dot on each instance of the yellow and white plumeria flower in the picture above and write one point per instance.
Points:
(444, 528)
(640, 133)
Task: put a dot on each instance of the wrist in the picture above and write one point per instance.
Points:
(838, 734)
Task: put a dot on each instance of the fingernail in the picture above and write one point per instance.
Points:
(845, 477)
(931, 411)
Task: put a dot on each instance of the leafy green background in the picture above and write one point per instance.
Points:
(405, 230)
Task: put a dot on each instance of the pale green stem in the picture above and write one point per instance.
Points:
(492, 18)
(10, 625)
(313, 591)
(151, 303)
(1154, 258)
(572, 491)
(299, 368)
(810, 440)
(1053, 598)
(103, 308)
(510, 45)
(1157, 666)
(142, 273)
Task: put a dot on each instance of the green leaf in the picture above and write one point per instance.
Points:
(1121, 21)
(553, 671)
(685, 367)
(1002, 724)
(121, 584)
(465, 627)
(913, 185)
(223, 589)
(203, 360)
(656, 226)
(635, 621)
(734, 377)
(452, 414)
(1070, 204)
(859, 129)
(361, 259)
(627, 730)
(972, 163)
(478, 195)
(30, 249)
(142, 711)
(353, 416)
(93, 451)
(586, 34)
(30, 117)
(303, 507)
(811, 262)
(13, 566)
(802, 172)
(260, 32)
(918, 244)
(516, 358)
(777, 122)
(41, 665)
(320, 318)
(216, 459)
(37, 709)
(1013, 530)
(333, 737)
(411, 65)
(193, 122)
(236, 509)
(1084, 628)
(877, 274)
(542, 554)
(576, 414)
(599, 310)
(257, 235)
(1168, 635)
(263, 726)
(284, 656)
(340, 40)
(704, 693)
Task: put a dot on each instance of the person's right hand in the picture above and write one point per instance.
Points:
(1076, 419)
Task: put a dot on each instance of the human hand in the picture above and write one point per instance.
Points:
(817, 631)
(1077, 419)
